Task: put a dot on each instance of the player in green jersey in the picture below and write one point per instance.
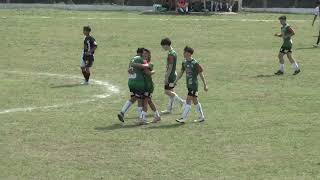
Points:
(192, 69)
(147, 67)
(170, 75)
(286, 48)
(136, 86)
(150, 85)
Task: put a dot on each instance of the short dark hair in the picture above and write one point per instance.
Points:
(318, 2)
(166, 42)
(189, 49)
(147, 50)
(140, 50)
(283, 18)
(87, 28)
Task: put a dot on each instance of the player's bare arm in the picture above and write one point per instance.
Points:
(148, 72)
(179, 76)
(203, 79)
(140, 66)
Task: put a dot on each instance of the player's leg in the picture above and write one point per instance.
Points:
(318, 41)
(281, 62)
(199, 109)
(169, 91)
(294, 63)
(187, 107)
(152, 106)
(126, 107)
(143, 102)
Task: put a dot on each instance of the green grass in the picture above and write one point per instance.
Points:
(258, 127)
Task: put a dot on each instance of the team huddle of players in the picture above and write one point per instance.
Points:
(141, 85)
(141, 69)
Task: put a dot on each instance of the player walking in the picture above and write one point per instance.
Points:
(192, 69)
(286, 48)
(170, 75)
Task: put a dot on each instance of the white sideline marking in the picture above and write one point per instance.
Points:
(108, 86)
(157, 19)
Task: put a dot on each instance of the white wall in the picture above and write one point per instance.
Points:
(78, 7)
(281, 10)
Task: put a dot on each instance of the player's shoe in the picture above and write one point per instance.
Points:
(278, 73)
(156, 119)
(316, 45)
(181, 120)
(121, 116)
(166, 112)
(143, 122)
(296, 72)
(201, 119)
(84, 82)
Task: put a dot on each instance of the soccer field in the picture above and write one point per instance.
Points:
(258, 126)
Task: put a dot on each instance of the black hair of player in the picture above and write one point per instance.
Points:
(146, 50)
(165, 42)
(283, 18)
(189, 49)
(140, 50)
(87, 28)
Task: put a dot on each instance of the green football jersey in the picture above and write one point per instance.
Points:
(285, 31)
(192, 69)
(149, 81)
(172, 59)
(136, 79)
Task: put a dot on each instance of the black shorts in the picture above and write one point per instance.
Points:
(137, 94)
(169, 86)
(285, 50)
(88, 60)
(193, 93)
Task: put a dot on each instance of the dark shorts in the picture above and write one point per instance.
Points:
(193, 93)
(136, 93)
(285, 50)
(169, 86)
(88, 60)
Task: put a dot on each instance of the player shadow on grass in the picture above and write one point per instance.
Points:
(149, 126)
(303, 48)
(264, 75)
(66, 85)
(116, 126)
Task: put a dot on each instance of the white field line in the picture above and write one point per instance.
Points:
(107, 87)
(154, 19)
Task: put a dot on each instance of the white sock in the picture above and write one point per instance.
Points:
(143, 115)
(126, 107)
(282, 67)
(139, 111)
(186, 111)
(295, 66)
(170, 104)
(181, 101)
(156, 114)
(199, 110)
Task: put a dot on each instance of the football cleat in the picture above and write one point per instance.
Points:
(166, 112)
(279, 73)
(296, 72)
(121, 116)
(181, 120)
